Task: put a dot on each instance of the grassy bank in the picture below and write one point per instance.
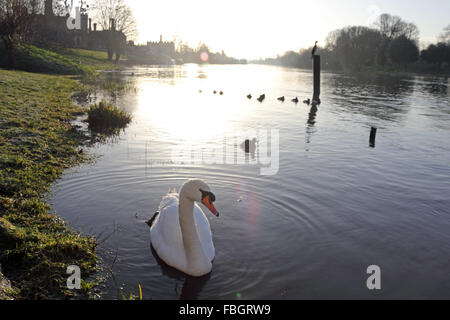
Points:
(97, 60)
(37, 143)
(57, 60)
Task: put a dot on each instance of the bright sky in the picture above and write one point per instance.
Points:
(262, 28)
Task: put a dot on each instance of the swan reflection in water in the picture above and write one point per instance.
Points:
(192, 286)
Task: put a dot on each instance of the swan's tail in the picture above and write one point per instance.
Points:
(172, 190)
(150, 222)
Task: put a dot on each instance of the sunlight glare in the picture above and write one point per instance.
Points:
(185, 114)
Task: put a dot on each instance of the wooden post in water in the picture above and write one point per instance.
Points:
(373, 136)
(247, 146)
(316, 70)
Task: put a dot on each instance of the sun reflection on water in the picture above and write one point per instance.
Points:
(183, 113)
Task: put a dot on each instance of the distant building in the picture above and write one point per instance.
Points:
(162, 52)
(161, 48)
(52, 28)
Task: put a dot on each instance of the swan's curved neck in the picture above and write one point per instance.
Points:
(195, 255)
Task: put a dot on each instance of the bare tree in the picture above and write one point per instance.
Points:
(15, 22)
(105, 10)
(62, 7)
(393, 27)
(388, 25)
(445, 35)
(411, 32)
(36, 6)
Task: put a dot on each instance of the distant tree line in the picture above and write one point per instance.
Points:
(390, 43)
(202, 54)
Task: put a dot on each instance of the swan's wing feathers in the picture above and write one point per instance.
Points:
(166, 234)
(172, 190)
(168, 200)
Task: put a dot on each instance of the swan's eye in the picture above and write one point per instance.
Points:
(211, 195)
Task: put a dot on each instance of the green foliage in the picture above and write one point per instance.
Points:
(357, 47)
(132, 296)
(437, 54)
(403, 51)
(382, 53)
(88, 286)
(105, 117)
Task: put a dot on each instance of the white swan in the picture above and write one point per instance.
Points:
(180, 232)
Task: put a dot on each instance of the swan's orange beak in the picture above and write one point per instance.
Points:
(208, 203)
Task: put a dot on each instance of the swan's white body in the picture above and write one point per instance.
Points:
(181, 233)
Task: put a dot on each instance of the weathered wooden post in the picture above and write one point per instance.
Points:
(247, 146)
(373, 136)
(316, 70)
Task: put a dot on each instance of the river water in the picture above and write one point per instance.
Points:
(330, 206)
